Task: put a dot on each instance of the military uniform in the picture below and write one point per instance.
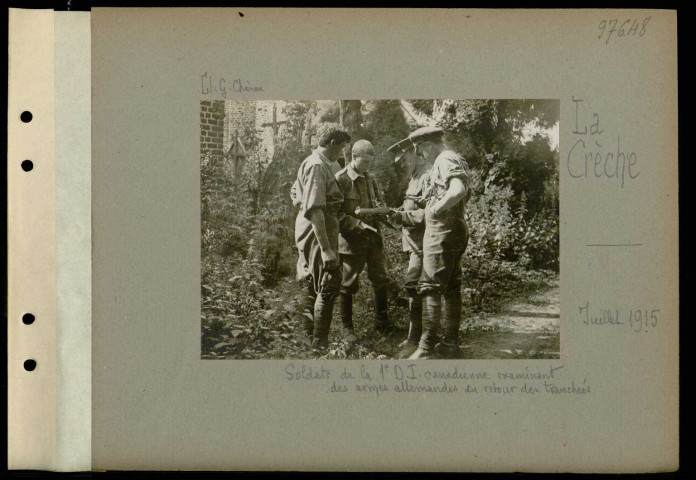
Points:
(446, 234)
(444, 242)
(316, 187)
(358, 247)
(413, 221)
(307, 282)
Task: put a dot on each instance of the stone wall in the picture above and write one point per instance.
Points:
(264, 115)
(252, 115)
(239, 116)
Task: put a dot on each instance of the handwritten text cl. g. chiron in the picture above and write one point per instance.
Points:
(211, 84)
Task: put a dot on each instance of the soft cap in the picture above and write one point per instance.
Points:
(427, 134)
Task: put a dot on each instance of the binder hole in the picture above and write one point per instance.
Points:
(26, 116)
(28, 318)
(27, 165)
(29, 365)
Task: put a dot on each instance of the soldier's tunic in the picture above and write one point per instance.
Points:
(358, 247)
(446, 234)
(414, 224)
(295, 198)
(314, 188)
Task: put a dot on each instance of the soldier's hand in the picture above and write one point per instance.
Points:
(330, 259)
(364, 226)
(396, 218)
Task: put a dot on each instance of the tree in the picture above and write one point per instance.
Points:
(385, 125)
(490, 133)
(512, 171)
(272, 233)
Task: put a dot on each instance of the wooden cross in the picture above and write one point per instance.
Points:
(236, 154)
(275, 124)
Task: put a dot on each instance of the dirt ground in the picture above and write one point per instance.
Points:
(527, 327)
(524, 327)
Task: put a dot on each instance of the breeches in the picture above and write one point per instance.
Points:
(413, 273)
(442, 272)
(326, 282)
(354, 264)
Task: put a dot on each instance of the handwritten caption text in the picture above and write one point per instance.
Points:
(212, 85)
(590, 159)
(387, 378)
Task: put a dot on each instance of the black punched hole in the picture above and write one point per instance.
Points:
(26, 116)
(27, 165)
(28, 318)
(29, 365)
(240, 14)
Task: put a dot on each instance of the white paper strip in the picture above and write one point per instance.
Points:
(73, 242)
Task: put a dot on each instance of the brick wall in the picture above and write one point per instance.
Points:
(212, 127)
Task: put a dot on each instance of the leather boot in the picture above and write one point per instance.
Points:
(345, 303)
(431, 326)
(452, 311)
(382, 324)
(415, 326)
(323, 309)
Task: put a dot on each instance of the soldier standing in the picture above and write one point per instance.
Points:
(360, 242)
(412, 217)
(445, 239)
(316, 226)
(307, 284)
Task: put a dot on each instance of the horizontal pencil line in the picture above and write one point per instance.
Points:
(613, 244)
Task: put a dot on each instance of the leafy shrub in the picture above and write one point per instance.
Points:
(536, 242)
(488, 283)
(491, 226)
(223, 225)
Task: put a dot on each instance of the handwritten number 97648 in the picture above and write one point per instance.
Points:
(614, 27)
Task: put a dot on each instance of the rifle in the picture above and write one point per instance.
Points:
(378, 211)
(383, 212)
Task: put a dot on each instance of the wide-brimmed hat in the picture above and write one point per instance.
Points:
(400, 148)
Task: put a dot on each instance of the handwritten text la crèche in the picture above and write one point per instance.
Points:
(588, 158)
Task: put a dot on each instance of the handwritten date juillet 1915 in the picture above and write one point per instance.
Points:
(212, 85)
(636, 320)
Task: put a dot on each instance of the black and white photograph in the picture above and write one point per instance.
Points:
(380, 229)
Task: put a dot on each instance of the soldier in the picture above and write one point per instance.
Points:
(307, 284)
(316, 226)
(359, 241)
(445, 240)
(412, 217)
